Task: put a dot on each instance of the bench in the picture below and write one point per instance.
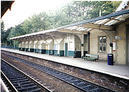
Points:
(91, 57)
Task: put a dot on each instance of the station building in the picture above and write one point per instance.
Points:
(99, 36)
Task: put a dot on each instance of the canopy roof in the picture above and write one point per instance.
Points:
(5, 5)
(103, 23)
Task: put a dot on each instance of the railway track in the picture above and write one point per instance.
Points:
(17, 81)
(74, 81)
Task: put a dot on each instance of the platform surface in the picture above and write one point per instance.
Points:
(121, 71)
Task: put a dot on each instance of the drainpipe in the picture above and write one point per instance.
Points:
(111, 46)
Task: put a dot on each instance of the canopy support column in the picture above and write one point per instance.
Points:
(35, 46)
(29, 46)
(40, 46)
(82, 45)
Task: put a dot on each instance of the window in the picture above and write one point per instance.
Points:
(102, 43)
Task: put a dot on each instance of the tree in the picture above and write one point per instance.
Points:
(71, 13)
(80, 10)
(4, 36)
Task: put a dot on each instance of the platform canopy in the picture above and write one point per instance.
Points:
(46, 34)
(102, 23)
(5, 5)
(83, 27)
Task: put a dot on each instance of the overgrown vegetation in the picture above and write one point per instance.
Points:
(73, 12)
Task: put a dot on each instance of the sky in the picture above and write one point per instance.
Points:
(22, 9)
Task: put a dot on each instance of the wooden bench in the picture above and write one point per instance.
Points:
(91, 57)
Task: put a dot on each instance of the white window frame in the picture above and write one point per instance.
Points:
(103, 44)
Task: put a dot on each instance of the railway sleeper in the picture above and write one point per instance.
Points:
(66, 77)
(21, 83)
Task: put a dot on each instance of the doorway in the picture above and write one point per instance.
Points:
(66, 49)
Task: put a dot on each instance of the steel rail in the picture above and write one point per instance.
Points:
(43, 88)
(72, 80)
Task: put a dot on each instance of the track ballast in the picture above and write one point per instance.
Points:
(19, 81)
(77, 82)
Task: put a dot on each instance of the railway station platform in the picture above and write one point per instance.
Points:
(121, 71)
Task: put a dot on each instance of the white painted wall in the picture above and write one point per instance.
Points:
(62, 44)
(59, 44)
(49, 44)
(70, 40)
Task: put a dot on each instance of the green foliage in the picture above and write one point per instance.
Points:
(89, 9)
(2, 26)
(73, 12)
(4, 38)
(36, 23)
